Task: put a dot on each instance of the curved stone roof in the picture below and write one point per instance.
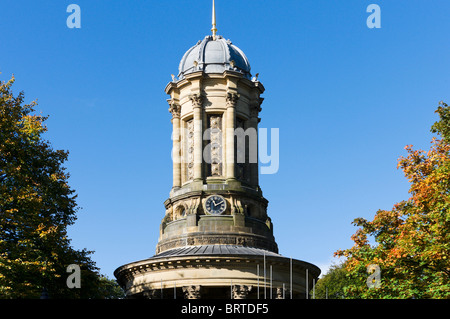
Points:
(214, 56)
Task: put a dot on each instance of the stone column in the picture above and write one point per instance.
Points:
(197, 101)
(191, 292)
(175, 109)
(253, 123)
(232, 99)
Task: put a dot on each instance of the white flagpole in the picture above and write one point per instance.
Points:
(257, 275)
(314, 288)
(307, 283)
(270, 281)
(264, 275)
(231, 289)
(291, 276)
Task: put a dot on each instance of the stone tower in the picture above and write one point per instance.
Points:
(216, 238)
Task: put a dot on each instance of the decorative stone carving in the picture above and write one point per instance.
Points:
(175, 108)
(279, 293)
(236, 206)
(215, 122)
(167, 218)
(241, 291)
(191, 292)
(234, 239)
(241, 241)
(179, 212)
(190, 150)
(232, 99)
(196, 99)
(240, 167)
(192, 206)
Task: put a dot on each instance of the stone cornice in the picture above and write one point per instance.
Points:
(254, 195)
(201, 75)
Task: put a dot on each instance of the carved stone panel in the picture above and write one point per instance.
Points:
(215, 130)
(190, 150)
(240, 167)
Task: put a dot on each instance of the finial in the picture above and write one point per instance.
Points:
(214, 29)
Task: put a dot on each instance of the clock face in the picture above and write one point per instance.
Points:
(215, 205)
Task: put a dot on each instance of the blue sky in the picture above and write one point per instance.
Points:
(346, 99)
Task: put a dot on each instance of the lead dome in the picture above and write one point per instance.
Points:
(214, 56)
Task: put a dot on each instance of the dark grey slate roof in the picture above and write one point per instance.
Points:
(215, 250)
(214, 56)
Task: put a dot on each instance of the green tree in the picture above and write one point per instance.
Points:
(109, 289)
(413, 239)
(333, 284)
(36, 207)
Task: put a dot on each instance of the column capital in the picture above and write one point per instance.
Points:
(232, 99)
(175, 108)
(196, 99)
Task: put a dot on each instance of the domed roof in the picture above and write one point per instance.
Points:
(214, 56)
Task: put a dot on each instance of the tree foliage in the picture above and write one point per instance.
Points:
(333, 284)
(36, 207)
(413, 239)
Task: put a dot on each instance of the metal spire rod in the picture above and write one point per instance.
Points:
(214, 29)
